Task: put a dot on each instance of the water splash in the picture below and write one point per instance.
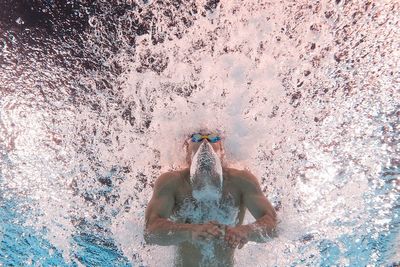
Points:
(94, 99)
(206, 173)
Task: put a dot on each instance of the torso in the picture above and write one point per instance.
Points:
(229, 211)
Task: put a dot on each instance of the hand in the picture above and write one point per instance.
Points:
(235, 236)
(207, 231)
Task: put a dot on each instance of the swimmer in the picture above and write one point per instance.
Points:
(202, 207)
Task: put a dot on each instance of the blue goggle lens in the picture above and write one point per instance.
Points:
(213, 138)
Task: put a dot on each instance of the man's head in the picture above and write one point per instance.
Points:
(204, 154)
(192, 144)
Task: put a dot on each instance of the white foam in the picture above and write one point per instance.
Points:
(314, 125)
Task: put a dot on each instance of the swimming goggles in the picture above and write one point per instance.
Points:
(212, 138)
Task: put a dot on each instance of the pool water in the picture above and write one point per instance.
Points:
(97, 97)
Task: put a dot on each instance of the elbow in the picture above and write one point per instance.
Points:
(152, 235)
(154, 238)
(149, 235)
(271, 221)
(274, 224)
(269, 228)
(274, 219)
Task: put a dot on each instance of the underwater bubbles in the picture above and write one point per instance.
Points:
(97, 98)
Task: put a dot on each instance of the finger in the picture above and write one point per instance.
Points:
(230, 238)
(223, 229)
(213, 231)
(210, 232)
(216, 224)
(217, 230)
(242, 243)
(235, 239)
(238, 242)
(220, 227)
(218, 233)
(231, 241)
(235, 243)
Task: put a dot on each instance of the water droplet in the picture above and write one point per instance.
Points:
(19, 21)
(92, 21)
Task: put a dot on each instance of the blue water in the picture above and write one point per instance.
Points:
(97, 97)
(24, 246)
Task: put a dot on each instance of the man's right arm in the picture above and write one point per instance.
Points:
(158, 229)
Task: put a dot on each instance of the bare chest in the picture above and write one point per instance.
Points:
(228, 210)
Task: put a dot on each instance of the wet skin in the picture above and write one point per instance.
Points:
(166, 225)
(189, 253)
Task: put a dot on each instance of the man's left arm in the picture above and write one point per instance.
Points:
(262, 210)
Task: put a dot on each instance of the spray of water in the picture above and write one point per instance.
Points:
(206, 174)
(306, 95)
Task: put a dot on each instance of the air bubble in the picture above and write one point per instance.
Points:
(19, 21)
(92, 21)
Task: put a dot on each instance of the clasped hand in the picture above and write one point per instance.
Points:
(233, 236)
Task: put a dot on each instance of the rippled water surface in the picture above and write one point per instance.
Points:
(96, 98)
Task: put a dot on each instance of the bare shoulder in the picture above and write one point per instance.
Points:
(167, 181)
(243, 178)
